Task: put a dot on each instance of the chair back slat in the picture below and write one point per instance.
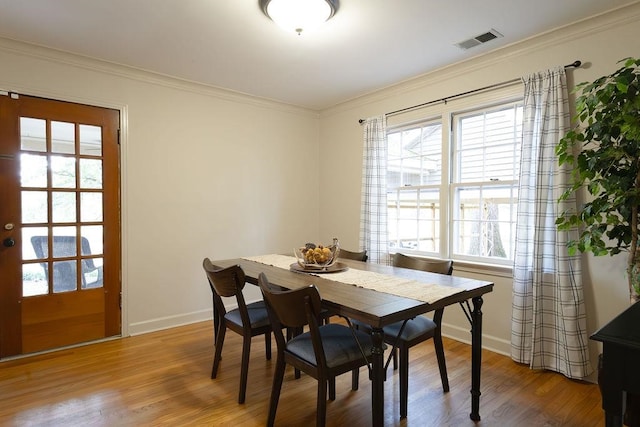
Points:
(286, 304)
(294, 309)
(227, 282)
(432, 265)
(356, 256)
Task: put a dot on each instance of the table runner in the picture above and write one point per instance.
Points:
(426, 292)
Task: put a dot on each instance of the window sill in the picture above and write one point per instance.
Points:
(484, 269)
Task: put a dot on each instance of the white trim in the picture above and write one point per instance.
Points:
(105, 67)
(489, 342)
(168, 322)
(506, 55)
(124, 220)
(124, 132)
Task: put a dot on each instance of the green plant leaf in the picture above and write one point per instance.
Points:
(608, 162)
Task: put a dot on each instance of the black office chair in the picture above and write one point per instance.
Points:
(248, 320)
(323, 352)
(416, 330)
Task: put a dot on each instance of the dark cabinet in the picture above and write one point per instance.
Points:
(619, 370)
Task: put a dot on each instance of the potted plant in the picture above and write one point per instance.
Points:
(608, 166)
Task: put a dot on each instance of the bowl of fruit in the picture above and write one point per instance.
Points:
(312, 256)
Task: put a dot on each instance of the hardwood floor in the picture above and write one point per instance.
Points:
(162, 378)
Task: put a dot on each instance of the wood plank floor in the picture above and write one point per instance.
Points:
(162, 378)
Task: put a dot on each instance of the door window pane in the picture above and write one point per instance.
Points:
(32, 248)
(33, 134)
(33, 170)
(34, 280)
(63, 206)
(34, 207)
(92, 273)
(90, 140)
(90, 173)
(90, 207)
(64, 242)
(63, 172)
(64, 276)
(63, 138)
(93, 235)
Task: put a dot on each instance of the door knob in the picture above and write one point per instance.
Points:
(9, 242)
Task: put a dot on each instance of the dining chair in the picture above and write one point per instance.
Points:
(248, 320)
(323, 352)
(326, 314)
(402, 336)
(357, 256)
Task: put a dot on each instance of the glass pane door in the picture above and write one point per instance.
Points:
(61, 188)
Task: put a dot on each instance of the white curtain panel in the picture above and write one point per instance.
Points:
(373, 212)
(548, 315)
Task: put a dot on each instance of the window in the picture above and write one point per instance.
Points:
(454, 193)
(414, 170)
(485, 182)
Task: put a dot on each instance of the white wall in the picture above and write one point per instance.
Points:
(599, 43)
(206, 173)
(209, 173)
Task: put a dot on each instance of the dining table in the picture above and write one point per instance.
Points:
(379, 295)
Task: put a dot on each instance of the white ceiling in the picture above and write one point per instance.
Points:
(367, 45)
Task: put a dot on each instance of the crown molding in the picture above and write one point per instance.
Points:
(140, 75)
(510, 54)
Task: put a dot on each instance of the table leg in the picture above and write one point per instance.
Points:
(476, 357)
(612, 420)
(610, 385)
(377, 377)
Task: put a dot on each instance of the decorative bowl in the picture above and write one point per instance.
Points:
(312, 256)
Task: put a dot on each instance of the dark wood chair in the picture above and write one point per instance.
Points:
(248, 320)
(415, 330)
(357, 256)
(432, 265)
(323, 352)
(344, 254)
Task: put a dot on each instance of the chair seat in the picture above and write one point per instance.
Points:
(415, 328)
(257, 315)
(339, 348)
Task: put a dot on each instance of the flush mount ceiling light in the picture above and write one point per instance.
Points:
(299, 15)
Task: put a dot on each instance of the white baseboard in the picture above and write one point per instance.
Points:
(169, 322)
(489, 342)
(457, 333)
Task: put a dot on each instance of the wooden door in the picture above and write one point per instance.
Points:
(59, 224)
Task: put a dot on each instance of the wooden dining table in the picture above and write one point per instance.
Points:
(380, 309)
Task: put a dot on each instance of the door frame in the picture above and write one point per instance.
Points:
(123, 140)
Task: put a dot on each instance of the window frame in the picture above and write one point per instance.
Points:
(446, 112)
(418, 189)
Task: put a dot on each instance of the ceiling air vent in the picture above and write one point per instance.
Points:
(478, 40)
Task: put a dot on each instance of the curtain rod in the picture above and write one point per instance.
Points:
(574, 64)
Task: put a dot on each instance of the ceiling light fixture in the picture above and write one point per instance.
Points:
(299, 15)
